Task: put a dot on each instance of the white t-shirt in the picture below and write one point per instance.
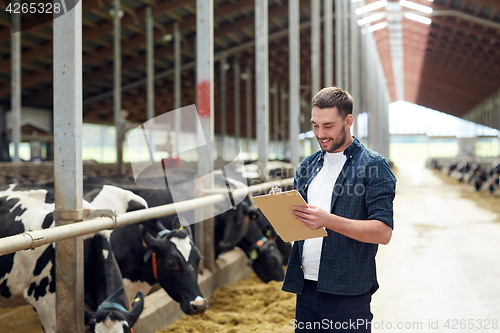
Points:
(319, 194)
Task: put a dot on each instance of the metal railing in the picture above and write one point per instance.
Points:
(32, 239)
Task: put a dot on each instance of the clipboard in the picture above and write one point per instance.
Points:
(276, 208)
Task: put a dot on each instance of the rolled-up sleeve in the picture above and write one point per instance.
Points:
(380, 192)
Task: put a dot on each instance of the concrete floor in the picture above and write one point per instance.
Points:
(441, 270)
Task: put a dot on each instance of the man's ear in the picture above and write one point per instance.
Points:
(349, 120)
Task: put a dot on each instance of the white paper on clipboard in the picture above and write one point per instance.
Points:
(276, 208)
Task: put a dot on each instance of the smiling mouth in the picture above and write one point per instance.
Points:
(324, 141)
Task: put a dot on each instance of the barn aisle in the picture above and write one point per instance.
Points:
(441, 270)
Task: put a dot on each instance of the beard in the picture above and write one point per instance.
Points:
(334, 144)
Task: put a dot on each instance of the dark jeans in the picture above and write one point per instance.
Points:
(322, 312)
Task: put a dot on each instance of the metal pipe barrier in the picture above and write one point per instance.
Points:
(33, 239)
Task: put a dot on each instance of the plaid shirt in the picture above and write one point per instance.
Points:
(364, 190)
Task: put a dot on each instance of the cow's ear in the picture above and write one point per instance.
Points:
(149, 240)
(137, 307)
(88, 318)
(181, 223)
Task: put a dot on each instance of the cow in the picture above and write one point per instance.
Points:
(110, 309)
(461, 169)
(169, 258)
(29, 276)
(480, 180)
(285, 248)
(474, 171)
(263, 254)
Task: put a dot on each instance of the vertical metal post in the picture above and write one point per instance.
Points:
(15, 82)
(68, 170)
(345, 44)
(248, 96)
(339, 34)
(205, 105)
(117, 81)
(370, 91)
(282, 125)
(363, 75)
(262, 81)
(237, 97)
(150, 86)
(355, 79)
(276, 110)
(223, 100)
(177, 84)
(315, 46)
(150, 76)
(315, 56)
(328, 30)
(294, 75)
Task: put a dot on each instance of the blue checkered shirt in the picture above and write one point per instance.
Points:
(364, 190)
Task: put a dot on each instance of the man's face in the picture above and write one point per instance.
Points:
(330, 128)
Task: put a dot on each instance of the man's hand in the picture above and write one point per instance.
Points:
(313, 217)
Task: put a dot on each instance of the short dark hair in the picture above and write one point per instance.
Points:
(332, 96)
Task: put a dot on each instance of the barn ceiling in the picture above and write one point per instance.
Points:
(450, 65)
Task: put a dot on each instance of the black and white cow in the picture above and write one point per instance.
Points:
(169, 258)
(110, 310)
(263, 254)
(29, 276)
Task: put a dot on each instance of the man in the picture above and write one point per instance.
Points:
(349, 190)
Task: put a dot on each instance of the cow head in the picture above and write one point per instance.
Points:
(113, 318)
(232, 225)
(177, 260)
(266, 260)
(285, 248)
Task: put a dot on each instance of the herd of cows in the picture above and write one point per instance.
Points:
(122, 265)
(483, 174)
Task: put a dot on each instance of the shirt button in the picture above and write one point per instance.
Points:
(350, 156)
(306, 185)
(317, 169)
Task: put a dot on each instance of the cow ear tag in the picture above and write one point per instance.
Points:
(181, 227)
(268, 233)
(137, 299)
(254, 254)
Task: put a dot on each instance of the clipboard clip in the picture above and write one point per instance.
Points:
(275, 190)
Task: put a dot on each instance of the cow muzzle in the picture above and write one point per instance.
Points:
(199, 305)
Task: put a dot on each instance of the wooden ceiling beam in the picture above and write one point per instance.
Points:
(479, 65)
(94, 34)
(465, 77)
(469, 33)
(464, 46)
